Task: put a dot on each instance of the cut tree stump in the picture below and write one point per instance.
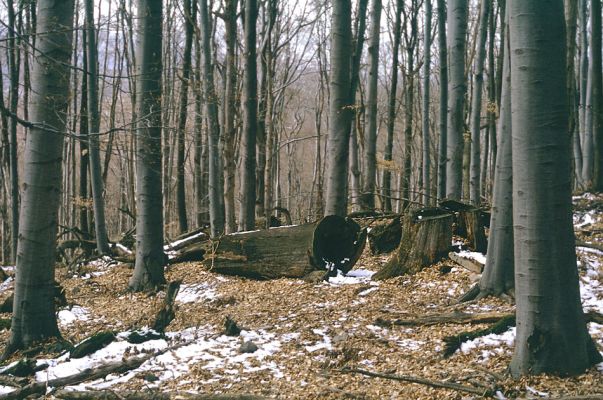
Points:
(426, 238)
(385, 238)
(470, 223)
(334, 243)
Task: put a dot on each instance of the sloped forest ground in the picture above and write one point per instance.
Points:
(308, 336)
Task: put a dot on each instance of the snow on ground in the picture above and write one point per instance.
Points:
(475, 255)
(196, 293)
(7, 284)
(491, 344)
(69, 316)
(191, 238)
(353, 277)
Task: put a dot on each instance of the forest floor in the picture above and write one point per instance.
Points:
(309, 336)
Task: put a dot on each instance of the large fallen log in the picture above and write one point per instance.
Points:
(426, 238)
(334, 243)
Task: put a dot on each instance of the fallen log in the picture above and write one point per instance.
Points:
(468, 263)
(334, 243)
(448, 318)
(385, 238)
(167, 313)
(426, 238)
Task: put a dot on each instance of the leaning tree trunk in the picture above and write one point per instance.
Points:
(551, 330)
(370, 136)
(248, 136)
(96, 179)
(339, 109)
(476, 104)
(34, 316)
(457, 88)
(334, 243)
(150, 258)
(426, 238)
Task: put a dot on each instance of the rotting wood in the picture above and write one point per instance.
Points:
(470, 223)
(167, 312)
(421, 381)
(385, 238)
(468, 263)
(426, 238)
(92, 344)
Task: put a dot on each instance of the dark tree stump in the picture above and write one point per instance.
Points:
(385, 238)
(426, 238)
(334, 243)
(470, 223)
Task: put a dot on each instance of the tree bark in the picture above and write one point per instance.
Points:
(457, 88)
(583, 83)
(34, 316)
(597, 95)
(248, 137)
(551, 328)
(443, 112)
(426, 99)
(339, 109)
(150, 258)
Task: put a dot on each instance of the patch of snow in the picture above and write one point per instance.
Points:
(536, 392)
(324, 344)
(353, 277)
(102, 262)
(591, 289)
(76, 313)
(123, 248)
(477, 256)
(196, 293)
(367, 291)
(171, 245)
(494, 343)
(6, 389)
(584, 219)
(7, 284)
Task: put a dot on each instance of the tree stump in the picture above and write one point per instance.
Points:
(426, 238)
(470, 223)
(334, 243)
(385, 238)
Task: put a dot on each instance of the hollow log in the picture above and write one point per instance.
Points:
(334, 243)
(385, 238)
(426, 238)
(470, 223)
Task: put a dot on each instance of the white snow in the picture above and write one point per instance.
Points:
(123, 248)
(477, 256)
(196, 293)
(191, 238)
(493, 343)
(7, 284)
(76, 313)
(324, 344)
(353, 277)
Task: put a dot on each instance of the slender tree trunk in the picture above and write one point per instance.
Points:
(182, 116)
(597, 95)
(551, 330)
(96, 180)
(216, 212)
(248, 138)
(150, 258)
(491, 110)
(13, 67)
(457, 88)
(34, 316)
(571, 14)
(443, 114)
(588, 148)
(339, 109)
(476, 104)
(370, 136)
(391, 111)
(426, 96)
(583, 83)
(83, 143)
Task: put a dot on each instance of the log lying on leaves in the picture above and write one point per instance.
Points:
(446, 318)
(288, 252)
(385, 238)
(426, 238)
(468, 263)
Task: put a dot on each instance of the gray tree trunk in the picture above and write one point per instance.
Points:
(83, 143)
(476, 104)
(248, 137)
(597, 95)
(583, 82)
(34, 316)
(386, 183)
(588, 147)
(340, 112)
(370, 136)
(457, 88)
(216, 211)
(571, 14)
(551, 330)
(426, 96)
(443, 111)
(96, 178)
(150, 258)
(182, 116)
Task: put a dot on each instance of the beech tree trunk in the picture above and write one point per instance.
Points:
(443, 111)
(150, 258)
(551, 329)
(597, 95)
(426, 97)
(34, 316)
(230, 104)
(339, 109)
(457, 88)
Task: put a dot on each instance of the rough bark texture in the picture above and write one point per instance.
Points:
(230, 104)
(33, 309)
(426, 94)
(340, 112)
(551, 328)
(443, 111)
(385, 238)
(248, 138)
(457, 88)
(426, 238)
(150, 258)
(289, 252)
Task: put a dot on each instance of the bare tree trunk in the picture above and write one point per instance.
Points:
(248, 138)
(443, 114)
(426, 95)
(182, 115)
(476, 104)
(216, 212)
(150, 258)
(96, 180)
(588, 151)
(34, 316)
(571, 14)
(457, 88)
(551, 330)
(583, 83)
(370, 136)
(339, 109)
(597, 95)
